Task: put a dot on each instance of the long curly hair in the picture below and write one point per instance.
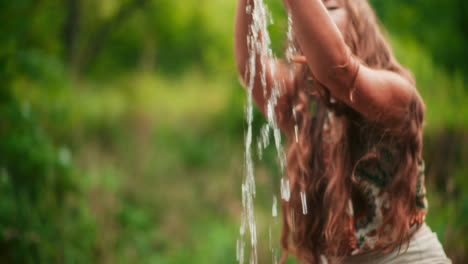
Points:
(331, 140)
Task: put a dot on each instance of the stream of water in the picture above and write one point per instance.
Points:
(259, 47)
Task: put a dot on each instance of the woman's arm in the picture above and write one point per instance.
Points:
(379, 95)
(241, 51)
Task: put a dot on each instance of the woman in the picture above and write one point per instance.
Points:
(357, 156)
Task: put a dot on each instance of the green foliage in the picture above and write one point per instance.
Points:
(440, 25)
(40, 195)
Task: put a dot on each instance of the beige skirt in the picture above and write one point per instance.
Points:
(424, 247)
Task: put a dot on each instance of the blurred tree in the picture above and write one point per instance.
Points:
(441, 25)
(71, 30)
(100, 35)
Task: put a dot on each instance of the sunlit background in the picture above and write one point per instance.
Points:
(122, 126)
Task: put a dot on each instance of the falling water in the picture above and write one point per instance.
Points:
(304, 203)
(274, 208)
(261, 49)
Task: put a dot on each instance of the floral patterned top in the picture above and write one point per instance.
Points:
(369, 199)
(372, 176)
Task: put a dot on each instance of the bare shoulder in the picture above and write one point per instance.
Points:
(382, 95)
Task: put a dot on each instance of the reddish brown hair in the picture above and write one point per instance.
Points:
(322, 165)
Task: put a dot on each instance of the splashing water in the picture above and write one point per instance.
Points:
(258, 43)
(257, 29)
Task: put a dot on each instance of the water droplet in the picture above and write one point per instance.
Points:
(285, 190)
(296, 132)
(274, 210)
(304, 202)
